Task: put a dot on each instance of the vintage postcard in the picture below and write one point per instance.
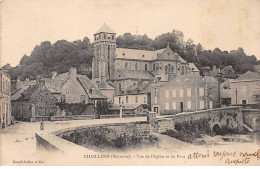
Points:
(130, 83)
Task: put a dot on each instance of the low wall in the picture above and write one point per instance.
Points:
(75, 117)
(108, 136)
(228, 118)
(250, 117)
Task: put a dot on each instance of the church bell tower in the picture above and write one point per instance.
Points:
(104, 53)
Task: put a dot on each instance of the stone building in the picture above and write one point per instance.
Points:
(241, 90)
(185, 94)
(134, 96)
(125, 67)
(35, 103)
(71, 87)
(5, 99)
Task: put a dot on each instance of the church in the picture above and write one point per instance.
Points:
(124, 67)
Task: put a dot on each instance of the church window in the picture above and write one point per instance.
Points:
(119, 100)
(119, 86)
(136, 66)
(145, 67)
(126, 66)
(126, 99)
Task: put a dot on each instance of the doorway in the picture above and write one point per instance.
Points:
(181, 106)
(156, 109)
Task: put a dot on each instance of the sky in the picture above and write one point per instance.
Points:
(226, 24)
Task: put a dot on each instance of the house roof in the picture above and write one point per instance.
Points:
(191, 79)
(249, 76)
(105, 85)
(105, 28)
(193, 67)
(18, 93)
(55, 85)
(140, 88)
(29, 92)
(88, 84)
(134, 74)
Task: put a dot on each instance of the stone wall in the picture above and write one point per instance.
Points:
(229, 118)
(250, 118)
(107, 136)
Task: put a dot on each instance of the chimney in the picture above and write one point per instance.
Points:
(103, 81)
(73, 72)
(53, 74)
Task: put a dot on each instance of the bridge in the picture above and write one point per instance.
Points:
(216, 120)
(228, 118)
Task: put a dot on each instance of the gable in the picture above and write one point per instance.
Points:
(168, 54)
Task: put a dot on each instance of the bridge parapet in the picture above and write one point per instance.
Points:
(229, 118)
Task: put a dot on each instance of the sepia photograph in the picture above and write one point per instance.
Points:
(129, 83)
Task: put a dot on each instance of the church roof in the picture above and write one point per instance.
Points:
(125, 53)
(105, 28)
(134, 74)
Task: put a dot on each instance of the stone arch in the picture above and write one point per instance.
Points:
(217, 129)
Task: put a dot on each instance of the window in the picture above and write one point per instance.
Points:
(189, 105)
(144, 99)
(99, 36)
(62, 98)
(182, 70)
(136, 66)
(174, 105)
(143, 56)
(105, 36)
(202, 104)
(210, 91)
(126, 66)
(201, 91)
(153, 66)
(119, 87)
(173, 93)
(166, 105)
(90, 91)
(145, 67)
(126, 99)
(123, 54)
(136, 99)
(82, 98)
(166, 93)
(181, 92)
(113, 37)
(119, 100)
(188, 92)
(155, 91)
(155, 100)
